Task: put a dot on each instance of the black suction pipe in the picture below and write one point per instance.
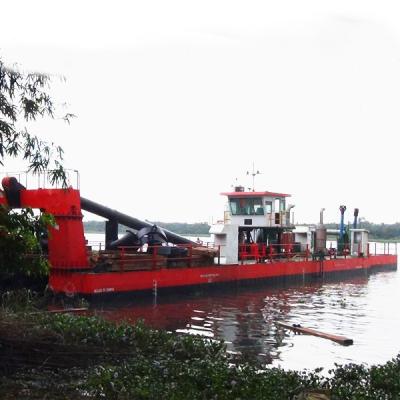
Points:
(126, 220)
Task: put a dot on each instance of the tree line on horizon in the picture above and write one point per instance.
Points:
(181, 228)
(377, 231)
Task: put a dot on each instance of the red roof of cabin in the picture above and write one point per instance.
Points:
(254, 194)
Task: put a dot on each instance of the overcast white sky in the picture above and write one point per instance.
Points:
(176, 99)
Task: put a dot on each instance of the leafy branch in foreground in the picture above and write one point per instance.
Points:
(25, 97)
(20, 243)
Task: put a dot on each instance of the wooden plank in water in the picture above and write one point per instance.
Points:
(308, 331)
(68, 310)
(61, 310)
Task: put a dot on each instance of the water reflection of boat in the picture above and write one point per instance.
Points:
(246, 317)
(255, 241)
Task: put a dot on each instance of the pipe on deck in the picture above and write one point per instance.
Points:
(126, 220)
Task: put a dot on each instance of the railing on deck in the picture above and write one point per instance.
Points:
(295, 251)
(382, 248)
(42, 179)
(156, 257)
(92, 245)
(261, 252)
(134, 258)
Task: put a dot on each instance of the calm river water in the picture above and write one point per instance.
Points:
(365, 309)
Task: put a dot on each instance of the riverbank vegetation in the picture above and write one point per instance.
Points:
(63, 356)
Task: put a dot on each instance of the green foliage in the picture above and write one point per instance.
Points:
(144, 364)
(358, 382)
(383, 231)
(199, 228)
(207, 377)
(165, 377)
(19, 301)
(24, 97)
(376, 231)
(20, 250)
(96, 226)
(181, 228)
(139, 338)
(165, 365)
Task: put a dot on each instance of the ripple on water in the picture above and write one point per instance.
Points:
(364, 309)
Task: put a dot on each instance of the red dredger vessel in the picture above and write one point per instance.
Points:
(256, 241)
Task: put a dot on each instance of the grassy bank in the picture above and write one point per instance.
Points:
(63, 356)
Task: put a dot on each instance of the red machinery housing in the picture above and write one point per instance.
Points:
(67, 248)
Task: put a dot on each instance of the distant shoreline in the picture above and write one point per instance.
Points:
(200, 235)
(378, 232)
(180, 228)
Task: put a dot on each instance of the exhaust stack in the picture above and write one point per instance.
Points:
(321, 216)
(341, 229)
(355, 218)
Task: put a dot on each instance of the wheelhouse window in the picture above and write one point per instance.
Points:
(277, 205)
(280, 204)
(244, 206)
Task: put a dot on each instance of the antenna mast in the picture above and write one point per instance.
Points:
(253, 174)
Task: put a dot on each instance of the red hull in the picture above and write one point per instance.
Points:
(118, 282)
